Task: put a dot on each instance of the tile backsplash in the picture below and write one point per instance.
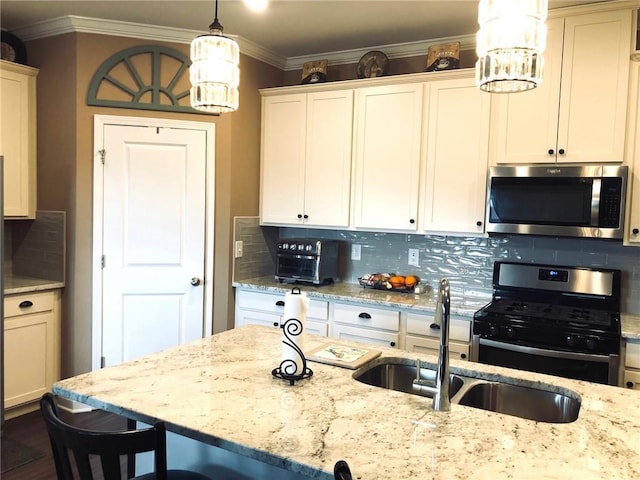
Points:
(466, 261)
(36, 248)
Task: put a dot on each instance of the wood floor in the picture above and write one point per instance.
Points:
(30, 431)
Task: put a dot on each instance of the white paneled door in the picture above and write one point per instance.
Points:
(153, 239)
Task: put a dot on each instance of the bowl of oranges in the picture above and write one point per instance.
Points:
(389, 281)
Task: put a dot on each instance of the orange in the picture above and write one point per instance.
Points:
(411, 281)
(397, 281)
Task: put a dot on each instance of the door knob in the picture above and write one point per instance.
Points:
(195, 281)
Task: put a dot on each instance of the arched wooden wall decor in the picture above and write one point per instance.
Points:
(147, 77)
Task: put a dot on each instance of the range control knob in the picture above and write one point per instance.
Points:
(493, 330)
(511, 333)
(571, 341)
(592, 343)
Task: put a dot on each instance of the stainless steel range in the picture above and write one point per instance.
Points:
(562, 321)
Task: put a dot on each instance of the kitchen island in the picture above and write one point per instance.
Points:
(220, 391)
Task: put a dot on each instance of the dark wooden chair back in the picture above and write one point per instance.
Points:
(108, 446)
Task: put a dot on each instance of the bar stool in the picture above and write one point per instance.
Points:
(109, 446)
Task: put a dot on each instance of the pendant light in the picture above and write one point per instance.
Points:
(214, 71)
(510, 44)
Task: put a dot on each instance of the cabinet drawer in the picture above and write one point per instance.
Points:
(632, 379)
(632, 358)
(26, 303)
(420, 324)
(366, 316)
(251, 317)
(457, 350)
(274, 303)
(365, 335)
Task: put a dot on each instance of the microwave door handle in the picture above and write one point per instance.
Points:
(595, 202)
(543, 352)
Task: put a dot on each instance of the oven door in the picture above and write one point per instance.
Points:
(580, 366)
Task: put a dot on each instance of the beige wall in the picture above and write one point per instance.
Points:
(65, 168)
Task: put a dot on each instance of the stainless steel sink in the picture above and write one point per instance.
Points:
(533, 402)
(398, 374)
(524, 402)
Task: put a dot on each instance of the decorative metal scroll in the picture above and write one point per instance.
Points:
(146, 77)
(288, 369)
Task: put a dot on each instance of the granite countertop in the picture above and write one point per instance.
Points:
(425, 302)
(351, 292)
(220, 391)
(18, 284)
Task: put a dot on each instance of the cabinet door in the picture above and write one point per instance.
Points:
(457, 142)
(524, 125)
(328, 159)
(595, 75)
(632, 230)
(283, 159)
(387, 156)
(18, 138)
(31, 346)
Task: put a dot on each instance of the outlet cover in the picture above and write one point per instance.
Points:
(238, 249)
(414, 257)
(356, 251)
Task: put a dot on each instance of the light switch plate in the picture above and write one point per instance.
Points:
(356, 251)
(238, 249)
(414, 257)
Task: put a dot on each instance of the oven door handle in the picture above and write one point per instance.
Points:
(544, 352)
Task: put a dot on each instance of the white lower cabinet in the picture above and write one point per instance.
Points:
(632, 365)
(31, 348)
(358, 322)
(261, 308)
(363, 323)
(423, 336)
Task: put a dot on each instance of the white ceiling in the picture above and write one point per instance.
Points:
(289, 28)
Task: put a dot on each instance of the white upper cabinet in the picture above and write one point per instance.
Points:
(306, 159)
(578, 113)
(632, 230)
(457, 140)
(387, 156)
(18, 138)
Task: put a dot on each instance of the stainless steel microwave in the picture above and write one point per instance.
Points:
(571, 201)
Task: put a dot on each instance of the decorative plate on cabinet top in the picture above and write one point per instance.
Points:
(373, 64)
(12, 48)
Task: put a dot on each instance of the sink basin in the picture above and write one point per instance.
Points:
(524, 402)
(398, 375)
(530, 402)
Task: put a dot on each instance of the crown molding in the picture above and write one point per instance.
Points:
(74, 24)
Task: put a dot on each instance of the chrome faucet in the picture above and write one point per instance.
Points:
(440, 390)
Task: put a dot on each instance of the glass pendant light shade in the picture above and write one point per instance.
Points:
(510, 44)
(214, 71)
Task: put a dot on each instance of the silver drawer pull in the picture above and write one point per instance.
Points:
(26, 304)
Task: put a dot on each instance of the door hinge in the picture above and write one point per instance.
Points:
(103, 261)
(103, 362)
(103, 154)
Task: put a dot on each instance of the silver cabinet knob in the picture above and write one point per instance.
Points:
(195, 281)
